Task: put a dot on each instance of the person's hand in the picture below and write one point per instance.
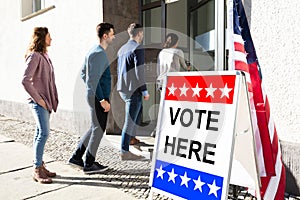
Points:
(147, 97)
(105, 105)
(189, 68)
(42, 103)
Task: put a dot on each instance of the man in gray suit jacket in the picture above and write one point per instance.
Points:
(131, 86)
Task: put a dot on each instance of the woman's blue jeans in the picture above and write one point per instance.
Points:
(133, 106)
(42, 118)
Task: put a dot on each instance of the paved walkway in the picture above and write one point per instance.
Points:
(124, 180)
(16, 181)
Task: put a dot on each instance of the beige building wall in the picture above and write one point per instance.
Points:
(275, 32)
(72, 25)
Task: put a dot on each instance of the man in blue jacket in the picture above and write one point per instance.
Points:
(96, 75)
(131, 86)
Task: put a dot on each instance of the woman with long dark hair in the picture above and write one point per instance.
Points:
(170, 58)
(39, 83)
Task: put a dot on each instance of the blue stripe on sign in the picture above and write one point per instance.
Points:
(186, 183)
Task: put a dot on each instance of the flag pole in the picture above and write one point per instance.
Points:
(230, 34)
(219, 35)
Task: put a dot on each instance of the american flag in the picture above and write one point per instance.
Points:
(243, 57)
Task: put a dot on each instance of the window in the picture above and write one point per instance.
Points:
(32, 8)
(202, 33)
(192, 20)
(176, 20)
(152, 21)
(145, 2)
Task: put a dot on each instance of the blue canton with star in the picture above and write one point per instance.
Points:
(186, 183)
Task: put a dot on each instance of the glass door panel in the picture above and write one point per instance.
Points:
(152, 23)
(202, 36)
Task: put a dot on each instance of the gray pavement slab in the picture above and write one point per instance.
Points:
(86, 192)
(5, 139)
(20, 185)
(16, 156)
(70, 183)
(136, 149)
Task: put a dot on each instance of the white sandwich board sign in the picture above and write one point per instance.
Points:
(204, 137)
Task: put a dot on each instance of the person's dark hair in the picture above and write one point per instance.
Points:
(134, 29)
(171, 40)
(38, 41)
(103, 28)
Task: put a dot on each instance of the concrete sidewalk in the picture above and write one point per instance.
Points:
(17, 183)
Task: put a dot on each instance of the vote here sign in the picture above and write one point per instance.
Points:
(195, 131)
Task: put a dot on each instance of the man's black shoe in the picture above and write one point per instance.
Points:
(76, 163)
(94, 168)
